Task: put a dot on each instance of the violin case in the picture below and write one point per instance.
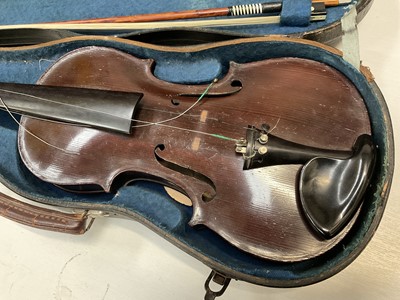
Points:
(189, 56)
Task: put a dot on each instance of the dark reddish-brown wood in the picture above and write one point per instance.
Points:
(256, 210)
(167, 16)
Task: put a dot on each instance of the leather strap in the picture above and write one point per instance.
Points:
(43, 218)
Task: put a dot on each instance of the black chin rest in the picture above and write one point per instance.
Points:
(332, 190)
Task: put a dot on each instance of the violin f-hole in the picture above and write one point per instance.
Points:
(207, 195)
(236, 83)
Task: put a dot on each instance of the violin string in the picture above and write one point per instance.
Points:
(161, 123)
(145, 123)
(31, 133)
(60, 103)
(276, 125)
(97, 111)
(215, 135)
(182, 113)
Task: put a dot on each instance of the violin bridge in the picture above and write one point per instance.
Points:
(253, 145)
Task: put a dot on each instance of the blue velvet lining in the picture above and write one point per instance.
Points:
(207, 69)
(36, 11)
(147, 200)
(296, 13)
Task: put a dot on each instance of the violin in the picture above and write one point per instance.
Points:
(275, 155)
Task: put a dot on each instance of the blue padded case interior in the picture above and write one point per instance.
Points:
(295, 14)
(144, 201)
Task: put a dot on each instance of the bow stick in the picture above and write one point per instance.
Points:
(157, 25)
(318, 14)
(236, 10)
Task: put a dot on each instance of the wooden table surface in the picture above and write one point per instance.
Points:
(121, 259)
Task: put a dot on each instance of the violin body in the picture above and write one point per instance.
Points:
(256, 210)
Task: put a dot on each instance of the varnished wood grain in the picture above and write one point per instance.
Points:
(256, 210)
(121, 252)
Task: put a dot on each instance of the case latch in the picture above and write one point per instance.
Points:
(219, 279)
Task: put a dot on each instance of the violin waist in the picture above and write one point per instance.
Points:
(192, 149)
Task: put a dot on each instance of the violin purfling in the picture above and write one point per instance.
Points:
(267, 156)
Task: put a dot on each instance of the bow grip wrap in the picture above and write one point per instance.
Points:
(109, 110)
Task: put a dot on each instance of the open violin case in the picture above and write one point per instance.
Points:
(196, 56)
